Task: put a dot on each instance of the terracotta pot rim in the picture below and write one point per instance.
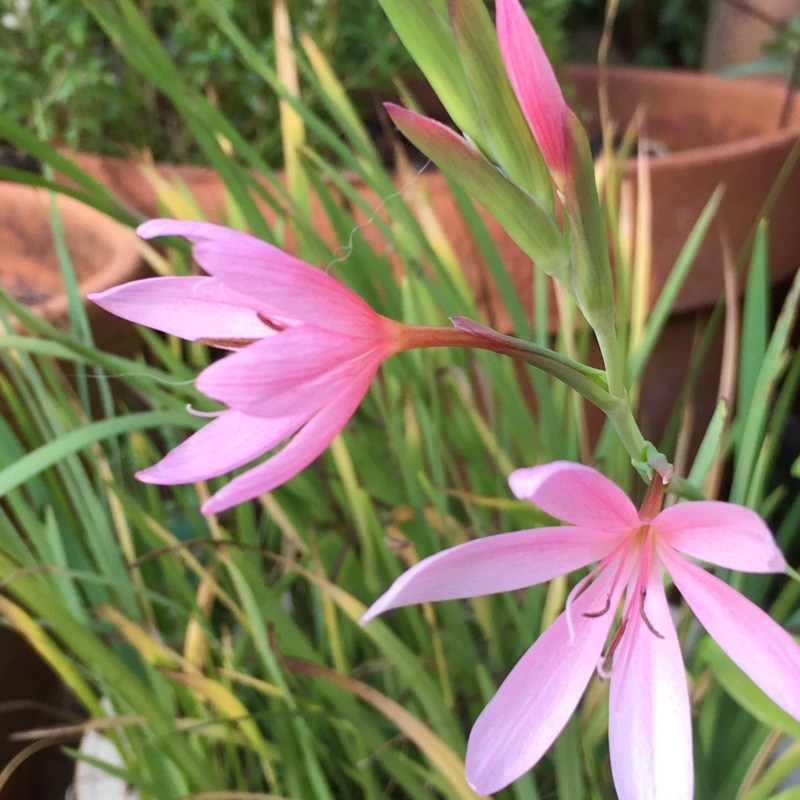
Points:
(124, 246)
(709, 153)
(680, 78)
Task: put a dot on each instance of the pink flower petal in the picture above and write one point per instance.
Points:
(534, 83)
(271, 277)
(294, 288)
(227, 442)
(539, 695)
(650, 731)
(722, 533)
(575, 494)
(195, 232)
(202, 233)
(294, 372)
(500, 563)
(761, 648)
(190, 307)
(298, 453)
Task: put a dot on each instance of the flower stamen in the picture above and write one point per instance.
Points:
(581, 585)
(602, 611)
(197, 413)
(225, 344)
(605, 667)
(275, 326)
(647, 622)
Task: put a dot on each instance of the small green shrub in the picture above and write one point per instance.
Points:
(63, 78)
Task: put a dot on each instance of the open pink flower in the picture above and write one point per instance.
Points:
(306, 349)
(649, 721)
(534, 84)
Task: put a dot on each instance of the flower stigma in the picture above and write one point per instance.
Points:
(637, 547)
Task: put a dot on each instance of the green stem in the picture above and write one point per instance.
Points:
(574, 378)
(586, 380)
(606, 389)
(606, 334)
(620, 415)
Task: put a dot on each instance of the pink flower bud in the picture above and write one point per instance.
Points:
(535, 85)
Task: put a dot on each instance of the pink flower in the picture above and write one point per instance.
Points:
(649, 721)
(306, 350)
(534, 84)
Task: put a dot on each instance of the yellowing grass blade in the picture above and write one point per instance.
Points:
(152, 650)
(225, 701)
(449, 765)
(269, 689)
(293, 130)
(47, 649)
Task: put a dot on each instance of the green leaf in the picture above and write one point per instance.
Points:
(666, 300)
(755, 321)
(789, 794)
(754, 423)
(524, 219)
(51, 453)
(591, 278)
(39, 599)
(710, 446)
(424, 28)
(510, 140)
(744, 691)
(96, 194)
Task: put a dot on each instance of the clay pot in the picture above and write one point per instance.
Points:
(103, 254)
(135, 186)
(715, 131)
(134, 183)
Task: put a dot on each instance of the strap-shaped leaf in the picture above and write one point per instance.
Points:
(591, 270)
(509, 138)
(528, 224)
(424, 28)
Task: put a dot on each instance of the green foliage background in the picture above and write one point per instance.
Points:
(64, 78)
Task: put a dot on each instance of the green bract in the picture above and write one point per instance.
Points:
(531, 227)
(511, 144)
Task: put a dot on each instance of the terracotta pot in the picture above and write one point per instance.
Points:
(103, 254)
(716, 132)
(135, 186)
(133, 182)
